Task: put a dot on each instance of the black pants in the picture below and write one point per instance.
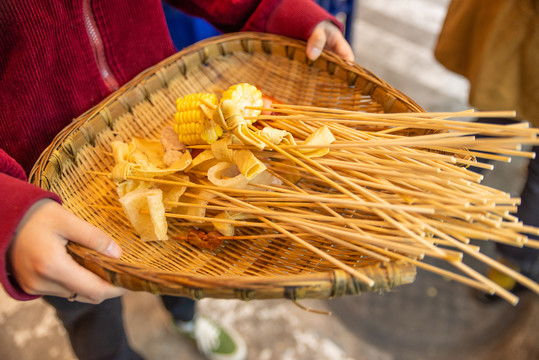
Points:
(527, 259)
(97, 332)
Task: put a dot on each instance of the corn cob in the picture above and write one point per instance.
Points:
(193, 120)
(244, 95)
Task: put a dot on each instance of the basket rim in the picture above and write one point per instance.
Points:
(332, 283)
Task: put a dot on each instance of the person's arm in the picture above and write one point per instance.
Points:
(17, 197)
(300, 19)
(34, 229)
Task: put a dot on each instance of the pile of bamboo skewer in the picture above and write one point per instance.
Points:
(381, 192)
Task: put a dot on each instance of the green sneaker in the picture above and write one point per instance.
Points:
(213, 340)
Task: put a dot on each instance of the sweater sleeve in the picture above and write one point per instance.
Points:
(17, 197)
(293, 18)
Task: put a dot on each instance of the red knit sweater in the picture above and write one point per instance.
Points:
(58, 58)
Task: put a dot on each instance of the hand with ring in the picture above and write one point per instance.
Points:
(39, 260)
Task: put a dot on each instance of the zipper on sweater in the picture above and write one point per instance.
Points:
(98, 48)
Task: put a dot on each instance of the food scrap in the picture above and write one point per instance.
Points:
(200, 239)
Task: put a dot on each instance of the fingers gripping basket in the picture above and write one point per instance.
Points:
(245, 269)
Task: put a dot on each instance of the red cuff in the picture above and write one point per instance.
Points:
(292, 18)
(17, 197)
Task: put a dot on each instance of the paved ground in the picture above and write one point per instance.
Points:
(431, 319)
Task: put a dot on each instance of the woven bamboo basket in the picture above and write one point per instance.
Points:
(261, 269)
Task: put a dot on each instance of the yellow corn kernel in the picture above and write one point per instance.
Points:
(244, 95)
(191, 122)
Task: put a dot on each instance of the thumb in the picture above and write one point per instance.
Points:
(81, 232)
(316, 43)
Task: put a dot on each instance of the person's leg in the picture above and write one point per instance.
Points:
(527, 259)
(524, 259)
(213, 340)
(181, 308)
(96, 331)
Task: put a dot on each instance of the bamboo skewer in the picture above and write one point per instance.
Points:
(415, 115)
(247, 237)
(442, 119)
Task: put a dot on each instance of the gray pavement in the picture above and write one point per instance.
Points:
(430, 319)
